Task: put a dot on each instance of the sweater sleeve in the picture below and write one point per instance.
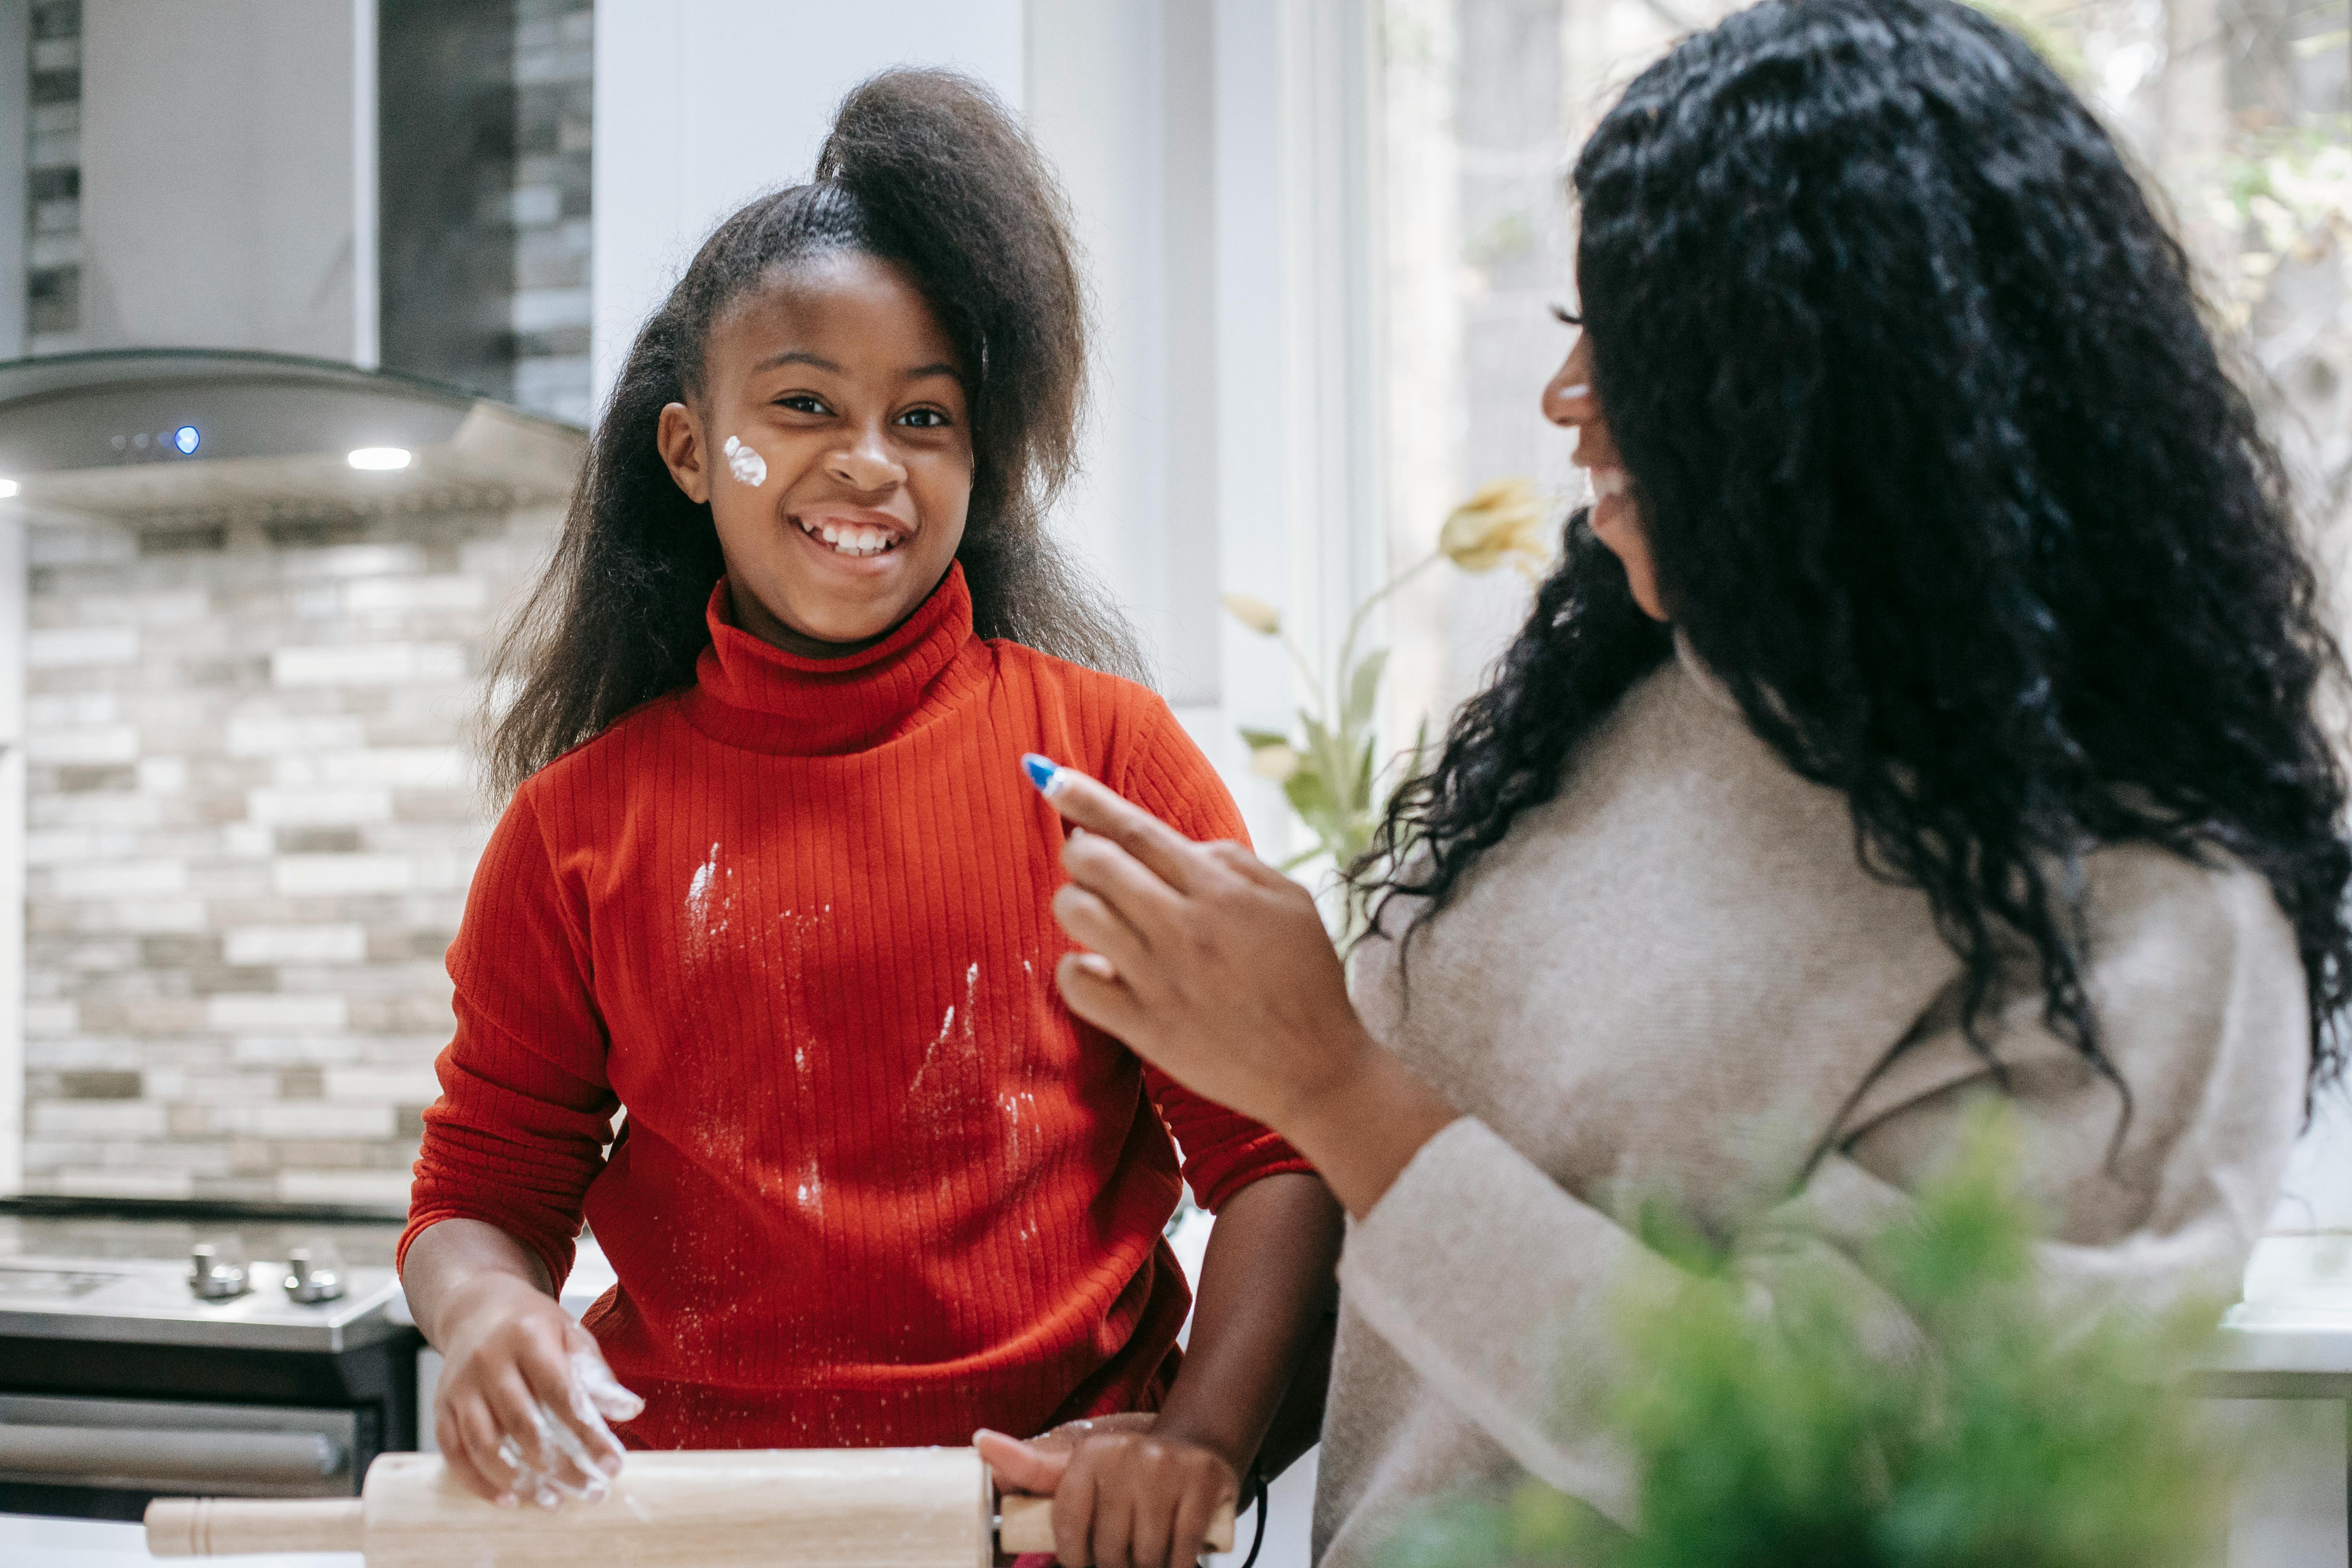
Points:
(1222, 1153)
(1501, 1289)
(525, 1108)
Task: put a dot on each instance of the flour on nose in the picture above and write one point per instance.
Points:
(747, 466)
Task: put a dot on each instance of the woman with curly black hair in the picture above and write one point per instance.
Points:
(1926, 709)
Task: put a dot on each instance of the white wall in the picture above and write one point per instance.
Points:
(220, 176)
(702, 104)
(1122, 100)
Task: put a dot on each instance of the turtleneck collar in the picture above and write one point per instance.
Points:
(750, 693)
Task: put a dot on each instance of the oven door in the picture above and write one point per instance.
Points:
(179, 1448)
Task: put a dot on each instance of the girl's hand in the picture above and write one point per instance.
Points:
(524, 1394)
(1122, 1496)
(1215, 967)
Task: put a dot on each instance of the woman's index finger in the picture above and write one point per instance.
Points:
(1090, 805)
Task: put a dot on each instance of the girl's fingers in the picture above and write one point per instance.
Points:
(1154, 1524)
(482, 1439)
(1189, 1534)
(513, 1406)
(1074, 1518)
(592, 1382)
(1022, 1466)
(458, 1458)
(577, 1441)
(1114, 1531)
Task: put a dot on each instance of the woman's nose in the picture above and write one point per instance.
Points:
(1568, 396)
(866, 465)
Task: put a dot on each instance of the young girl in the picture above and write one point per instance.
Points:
(772, 879)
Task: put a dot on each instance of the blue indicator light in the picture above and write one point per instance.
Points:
(185, 438)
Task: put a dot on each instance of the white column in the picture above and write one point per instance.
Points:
(1298, 489)
(702, 104)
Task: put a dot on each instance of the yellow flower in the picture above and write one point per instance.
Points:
(1277, 761)
(1254, 613)
(1504, 521)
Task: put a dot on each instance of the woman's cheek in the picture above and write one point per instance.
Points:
(1617, 524)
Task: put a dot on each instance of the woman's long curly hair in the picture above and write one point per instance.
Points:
(926, 170)
(1943, 476)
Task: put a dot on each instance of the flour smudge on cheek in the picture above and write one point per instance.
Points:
(747, 466)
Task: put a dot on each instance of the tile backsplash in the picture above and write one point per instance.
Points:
(252, 813)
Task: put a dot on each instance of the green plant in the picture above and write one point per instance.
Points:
(1328, 765)
(2009, 1431)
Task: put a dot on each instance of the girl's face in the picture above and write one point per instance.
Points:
(832, 443)
(1568, 402)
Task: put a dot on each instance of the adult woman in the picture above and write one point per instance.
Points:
(1926, 708)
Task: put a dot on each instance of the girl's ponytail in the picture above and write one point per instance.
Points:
(946, 183)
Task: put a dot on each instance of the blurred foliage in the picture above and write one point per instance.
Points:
(1991, 1427)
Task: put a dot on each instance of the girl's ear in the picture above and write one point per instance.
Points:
(684, 451)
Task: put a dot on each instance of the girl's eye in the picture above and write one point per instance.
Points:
(923, 418)
(803, 403)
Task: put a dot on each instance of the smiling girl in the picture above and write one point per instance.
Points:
(770, 880)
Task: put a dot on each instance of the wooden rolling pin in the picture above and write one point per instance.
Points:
(821, 1508)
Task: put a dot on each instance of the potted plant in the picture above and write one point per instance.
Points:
(1327, 764)
(2006, 1429)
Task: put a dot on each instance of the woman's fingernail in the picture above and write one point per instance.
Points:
(504, 1499)
(1101, 968)
(1044, 772)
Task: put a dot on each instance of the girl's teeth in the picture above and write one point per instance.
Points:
(850, 541)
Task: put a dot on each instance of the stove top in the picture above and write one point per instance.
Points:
(139, 1302)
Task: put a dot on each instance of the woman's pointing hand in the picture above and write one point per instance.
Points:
(1215, 968)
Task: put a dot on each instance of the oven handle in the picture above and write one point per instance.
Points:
(170, 1455)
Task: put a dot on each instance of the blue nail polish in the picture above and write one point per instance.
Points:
(1042, 772)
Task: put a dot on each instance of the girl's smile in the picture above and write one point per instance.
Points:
(853, 534)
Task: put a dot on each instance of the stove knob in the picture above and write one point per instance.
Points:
(312, 1277)
(212, 1278)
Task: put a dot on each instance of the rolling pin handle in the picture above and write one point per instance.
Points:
(1026, 1524)
(226, 1527)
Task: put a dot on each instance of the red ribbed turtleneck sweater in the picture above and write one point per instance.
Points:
(876, 1186)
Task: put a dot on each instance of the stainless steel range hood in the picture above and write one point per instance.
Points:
(162, 436)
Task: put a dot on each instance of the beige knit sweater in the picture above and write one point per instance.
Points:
(1676, 978)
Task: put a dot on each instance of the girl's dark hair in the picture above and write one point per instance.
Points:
(1943, 477)
(926, 170)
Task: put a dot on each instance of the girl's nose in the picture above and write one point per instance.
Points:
(866, 465)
